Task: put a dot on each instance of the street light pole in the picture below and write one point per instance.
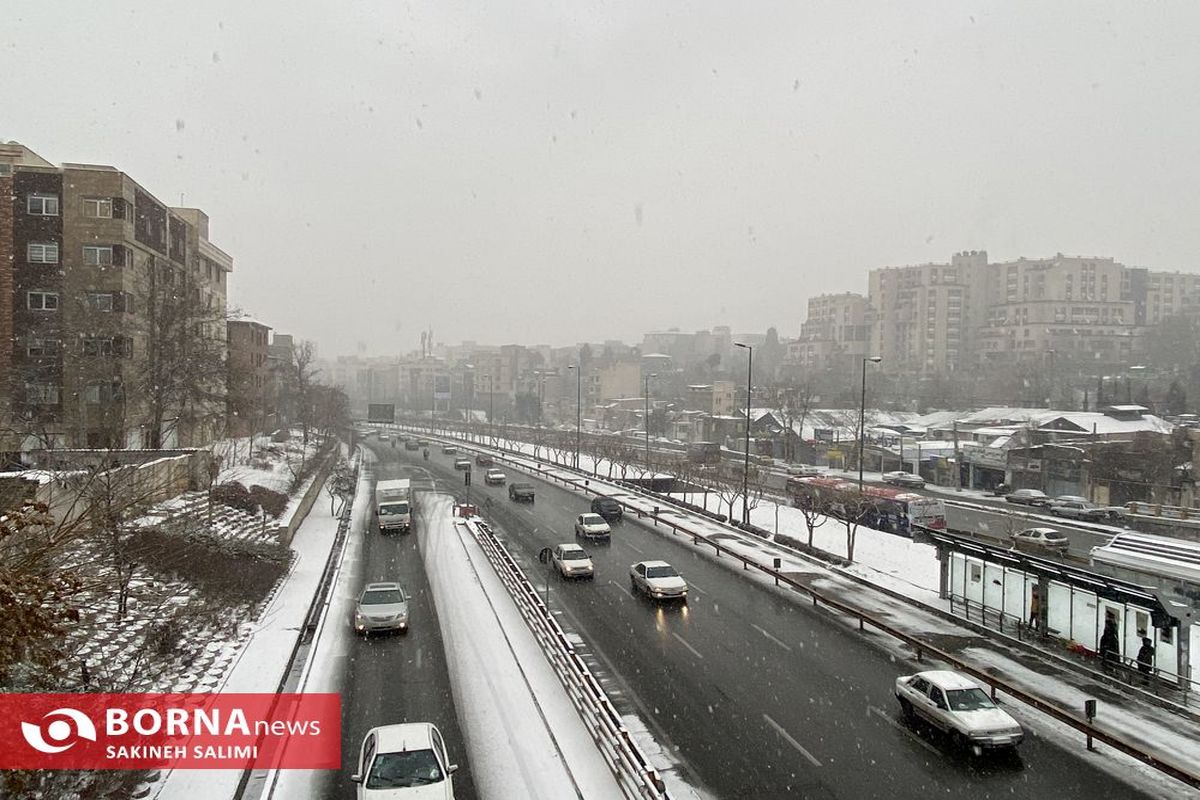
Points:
(862, 414)
(578, 408)
(746, 466)
(647, 393)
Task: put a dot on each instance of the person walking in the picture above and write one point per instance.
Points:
(1145, 659)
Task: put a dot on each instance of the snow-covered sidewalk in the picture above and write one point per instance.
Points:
(261, 664)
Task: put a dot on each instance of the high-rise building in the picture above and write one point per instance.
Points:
(939, 318)
(113, 311)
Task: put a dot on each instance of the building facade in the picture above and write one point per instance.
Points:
(114, 304)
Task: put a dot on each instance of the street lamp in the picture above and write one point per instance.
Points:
(578, 408)
(746, 467)
(470, 399)
(646, 381)
(862, 414)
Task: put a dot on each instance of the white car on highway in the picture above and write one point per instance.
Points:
(404, 762)
(959, 707)
(592, 526)
(572, 561)
(494, 477)
(659, 580)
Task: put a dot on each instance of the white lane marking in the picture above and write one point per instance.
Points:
(883, 715)
(695, 652)
(619, 586)
(779, 729)
(634, 549)
(769, 636)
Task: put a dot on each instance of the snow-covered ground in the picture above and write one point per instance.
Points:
(260, 461)
(260, 663)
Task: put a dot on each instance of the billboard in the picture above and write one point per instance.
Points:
(381, 412)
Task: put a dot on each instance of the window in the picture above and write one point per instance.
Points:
(42, 253)
(101, 207)
(108, 346)
(42, 347)
(42, 205)
(41, 394)
(97, 255)
(100, 301)
(42, 301)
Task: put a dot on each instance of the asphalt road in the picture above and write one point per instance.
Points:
(755, 695)
(393, 678)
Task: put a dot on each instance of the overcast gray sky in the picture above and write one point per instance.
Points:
(564, 171)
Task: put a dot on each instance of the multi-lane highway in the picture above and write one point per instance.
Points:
(755, 695)
(393, 678)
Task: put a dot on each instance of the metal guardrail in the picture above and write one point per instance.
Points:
(636, 777)
(921, 648)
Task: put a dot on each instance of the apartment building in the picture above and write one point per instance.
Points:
(1070, 306)
(717, 398)
(249, 398)
(835, 335)
(938, 318)
(924, 316)
(105, 288)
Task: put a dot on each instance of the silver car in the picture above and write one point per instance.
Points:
(381, 607)
(958, 706)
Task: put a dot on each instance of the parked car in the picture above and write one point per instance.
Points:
(463, 464)
(608, 508)
(520, 492)
(404, 761)
(381, 607)
(494, 477)
(901, 478)
(659, 580)
(411, 444)
(449, 449)
(958, 706)
(805, 471)
(1077, 509)
(484, 460)
(592, 526)
(572, 561)
(1000, 490)
(1090, 510)
(1041, 540)
(1027, 497)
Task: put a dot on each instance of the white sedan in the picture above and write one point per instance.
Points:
(494, 477)
(659, 580)
(572, 561)
(959, 707)
(592, 526)
(404, 761)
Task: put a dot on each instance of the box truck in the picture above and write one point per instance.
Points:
(393, 505)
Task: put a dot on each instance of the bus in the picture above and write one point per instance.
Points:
(887, 509)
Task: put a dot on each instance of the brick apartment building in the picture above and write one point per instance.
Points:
(251, 382)
(96, 273)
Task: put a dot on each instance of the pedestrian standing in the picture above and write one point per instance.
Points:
(1110, 646)
(1035, 610)
(1145, 659)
